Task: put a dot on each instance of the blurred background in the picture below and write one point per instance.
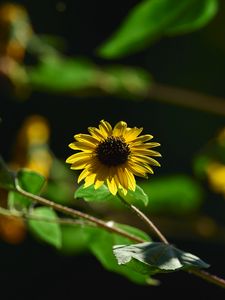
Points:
(56, 79)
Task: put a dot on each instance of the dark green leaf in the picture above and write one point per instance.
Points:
(6, 177)
(151, 19)
(47, 231)
(29, 181)
(202, 12)
(150, 258)
(101, 245)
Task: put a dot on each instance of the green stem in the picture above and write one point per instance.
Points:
(144, 218)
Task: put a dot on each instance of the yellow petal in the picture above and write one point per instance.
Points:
(86, 138)
(145, 159)
(82, 146)
(122, 178)
(131, 180)
(80, 164)
(132, 133)
(142, 139)
(77, 156)
(96, 133)
(137, 151)
(112, 186)
(98, 184)
(119, 128)
(89, 180)
(83, 175)
(105, 128)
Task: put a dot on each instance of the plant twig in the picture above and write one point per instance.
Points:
(107, 226)
(76, 213)
(186, 98)
(208, 277)
(144, 218)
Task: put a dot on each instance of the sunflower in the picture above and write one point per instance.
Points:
(113, 156)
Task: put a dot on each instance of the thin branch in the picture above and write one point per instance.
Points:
(144, 218)
(76, 213)
(107, 226)
(186, 98)
(208, 277)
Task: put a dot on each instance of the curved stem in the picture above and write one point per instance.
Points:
(107, 226)
(76, 213)
(144, 218)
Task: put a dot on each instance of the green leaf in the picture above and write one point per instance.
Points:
(151, 258)
(176, 194)
(136, 196)
(6, 177)
(77, 74)
(29, 181)
(101, 245)
(151, 19)
(91, 194)
(75, 238)
(203, 12)
(49, 232)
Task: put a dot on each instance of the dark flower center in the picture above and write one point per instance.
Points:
(113, 151)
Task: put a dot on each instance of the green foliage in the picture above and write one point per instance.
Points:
(177, 194)
(151, 19)
(151, 258)
(90, 194)
(101, 245)
(29, 181)
(49, 230)
(77, 74)
(6, 177)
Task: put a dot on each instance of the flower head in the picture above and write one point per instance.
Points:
(113, 156)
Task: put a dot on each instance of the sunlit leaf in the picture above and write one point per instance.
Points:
(49, 232)
(150, 258)
(29, 181)
(151, 19)
(136, 196)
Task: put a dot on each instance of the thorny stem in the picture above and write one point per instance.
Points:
(75, 213)
(144, 218)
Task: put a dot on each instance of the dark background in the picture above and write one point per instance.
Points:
(195, 61)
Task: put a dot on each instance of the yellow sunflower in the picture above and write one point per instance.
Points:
(113, 156)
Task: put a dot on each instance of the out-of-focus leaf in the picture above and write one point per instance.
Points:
(126, 81)
(6, 177)
(75, 238)
(201, 163)
(177, 194)
(49, 232)
(29, 181)
(151, 19)
(62, 75)
(151, 258)
(202, 12)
